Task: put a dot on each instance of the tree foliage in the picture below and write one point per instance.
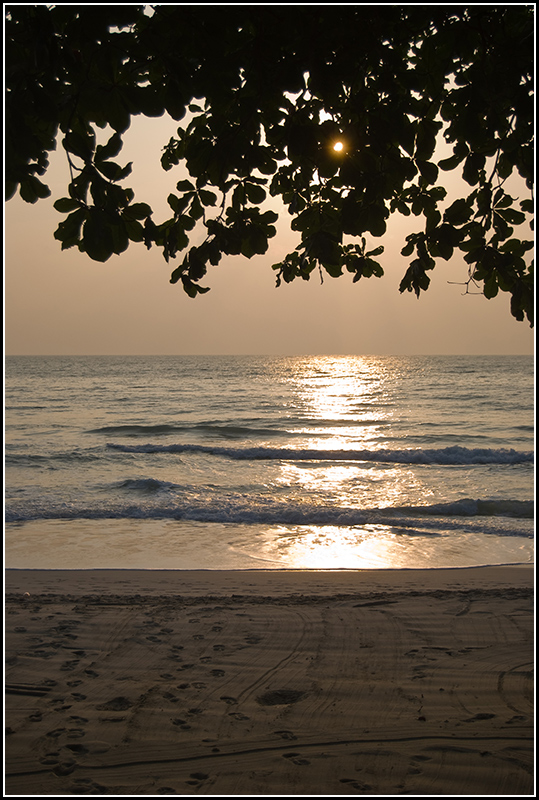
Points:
(263, 93)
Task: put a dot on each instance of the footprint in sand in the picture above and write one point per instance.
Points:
(69, 665)
(64, 768)
(75, 733)
(230, 700)
(77, 748)
(71, 733)
(516, 718)
(285, 734)
(54, 734)
(355, 784)
(175, 657)
(218, 673)
(50, 759)
(296, 758)
(197, 778)
(116, 704)
(87, 786)
(182, 724)
(280, 697)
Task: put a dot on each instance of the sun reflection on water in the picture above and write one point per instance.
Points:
(347, 391)
(346, 405)
(334, 547)
(352, 484)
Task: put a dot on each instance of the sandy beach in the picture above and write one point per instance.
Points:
(374, 682)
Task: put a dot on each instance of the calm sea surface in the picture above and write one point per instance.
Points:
(243, 462)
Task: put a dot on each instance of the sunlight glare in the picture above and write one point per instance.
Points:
(346, 390)
(342, 399)
(334, 547)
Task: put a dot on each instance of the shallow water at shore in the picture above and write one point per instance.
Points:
(121, 544)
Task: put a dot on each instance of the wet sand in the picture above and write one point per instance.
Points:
(373, 682)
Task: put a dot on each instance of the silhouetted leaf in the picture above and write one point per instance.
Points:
(458, 212)
(97, 238)
(65, 204)
(32, 190)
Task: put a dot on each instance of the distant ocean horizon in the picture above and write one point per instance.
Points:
(268, 462)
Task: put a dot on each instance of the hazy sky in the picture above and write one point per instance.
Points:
(63, 303)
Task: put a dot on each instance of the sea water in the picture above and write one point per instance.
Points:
(315, 462)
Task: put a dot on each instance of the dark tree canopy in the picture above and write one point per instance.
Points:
(265, 92)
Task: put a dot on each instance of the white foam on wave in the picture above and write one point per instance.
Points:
(502, 517)
(445, 456)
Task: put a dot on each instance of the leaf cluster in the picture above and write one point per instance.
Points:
(263, 93)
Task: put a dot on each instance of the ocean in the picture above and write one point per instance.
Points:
(262, 462)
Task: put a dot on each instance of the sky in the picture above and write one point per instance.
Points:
(62, 303)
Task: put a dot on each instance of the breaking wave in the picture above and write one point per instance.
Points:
(428, 518)
(444, 456)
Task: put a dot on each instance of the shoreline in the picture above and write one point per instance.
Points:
(198, 581)
(270, 682)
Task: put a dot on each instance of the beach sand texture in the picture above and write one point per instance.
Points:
(270, 683)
